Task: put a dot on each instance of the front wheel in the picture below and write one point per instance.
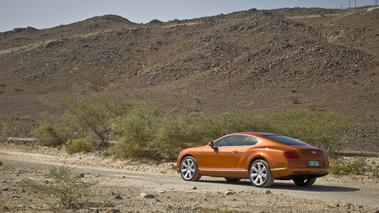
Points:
(304, 181)
(260, 174)
(188, 169)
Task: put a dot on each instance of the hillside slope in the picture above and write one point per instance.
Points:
(264, 60)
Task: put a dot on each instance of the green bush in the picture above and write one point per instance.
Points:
(374, 170)
(82, 118)
(65, 185)
(77, 145)
(143, 130)
(47, 134)
(322, 129)
(138, 130)
(1, 163)
(339, 167)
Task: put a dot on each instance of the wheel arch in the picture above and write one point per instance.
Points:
(261, 157)
(186, 155)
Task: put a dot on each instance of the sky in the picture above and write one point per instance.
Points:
(42, 14)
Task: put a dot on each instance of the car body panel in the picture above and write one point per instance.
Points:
(234, 161)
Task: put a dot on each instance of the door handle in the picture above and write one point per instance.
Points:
(235, 151)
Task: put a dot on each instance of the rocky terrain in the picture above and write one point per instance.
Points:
(272, 60)
(129, 186)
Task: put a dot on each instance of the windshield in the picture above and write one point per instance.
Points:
(284, 140)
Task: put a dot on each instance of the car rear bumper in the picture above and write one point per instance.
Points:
(306, 174)
(300, 173)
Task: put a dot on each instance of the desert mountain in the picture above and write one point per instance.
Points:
(272, 60)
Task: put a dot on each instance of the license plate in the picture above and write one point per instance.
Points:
(314, 163)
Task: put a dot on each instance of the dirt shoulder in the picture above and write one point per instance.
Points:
(121, 183)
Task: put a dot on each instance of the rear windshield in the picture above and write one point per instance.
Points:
(284, 140)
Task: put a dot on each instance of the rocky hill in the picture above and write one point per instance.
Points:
(272, 60)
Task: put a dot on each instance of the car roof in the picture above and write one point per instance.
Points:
(255, 133)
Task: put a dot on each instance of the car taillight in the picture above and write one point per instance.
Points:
(291, 155)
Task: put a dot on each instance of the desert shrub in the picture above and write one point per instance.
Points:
(4, 132)
(146, 133)
(1, 163)
(342, 167)
(322, 129)
(143, 130)
(47, 134)
(84, 118)
(358, 167)
(137, 131)
(64, 184)
(374, 170)
(77, 145)
(193, 129)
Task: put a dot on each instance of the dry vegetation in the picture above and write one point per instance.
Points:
(270, 61)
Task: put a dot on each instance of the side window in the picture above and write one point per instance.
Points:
(250, 141)
(233, 140)
(223, 142)
(239, 140)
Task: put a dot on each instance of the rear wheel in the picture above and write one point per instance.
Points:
(229, 179)
(304, 181)
(260, 174)
(188, 169)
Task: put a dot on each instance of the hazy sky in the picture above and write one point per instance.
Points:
(51, 13)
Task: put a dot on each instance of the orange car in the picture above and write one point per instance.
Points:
(261, 157)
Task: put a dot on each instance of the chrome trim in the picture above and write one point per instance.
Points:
(278, 169)
(222, 170)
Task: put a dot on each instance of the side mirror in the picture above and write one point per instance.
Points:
(211, 144)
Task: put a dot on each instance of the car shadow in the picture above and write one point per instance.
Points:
(316, 187)
(290, 186)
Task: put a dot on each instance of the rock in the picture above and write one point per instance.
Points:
(347, 205)
(81, 175)
(118, 197)
(161, 192)
(229, 193)
(194, 188)
(268, 192)
(144, 195)
(113, 211)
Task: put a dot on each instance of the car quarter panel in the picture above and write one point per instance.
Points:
(274, 157)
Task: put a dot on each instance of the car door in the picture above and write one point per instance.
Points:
(242, 163)
(222, 157)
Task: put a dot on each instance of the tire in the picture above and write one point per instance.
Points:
(304, 181)
(188, 169)
(260, 174)
(229, 179)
